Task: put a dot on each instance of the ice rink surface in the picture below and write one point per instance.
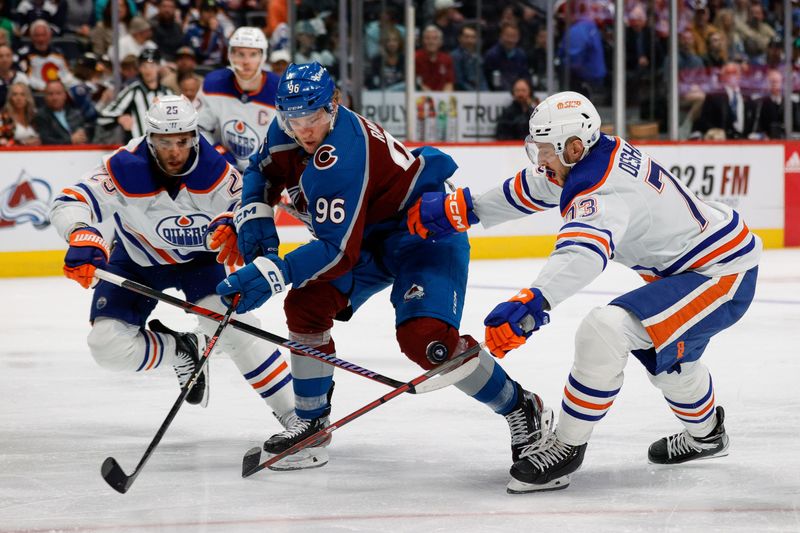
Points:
(435, 462)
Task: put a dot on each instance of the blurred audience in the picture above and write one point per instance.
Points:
(467, 62)
(21, 108)
(9, 74)
(505, 61)
(58, 122)
(387, 69)
(434, 67)
(513, 122)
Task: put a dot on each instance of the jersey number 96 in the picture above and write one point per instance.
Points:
(333, 210)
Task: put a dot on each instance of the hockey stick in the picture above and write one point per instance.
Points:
(111, 471)
(251, 463)
(275, 339)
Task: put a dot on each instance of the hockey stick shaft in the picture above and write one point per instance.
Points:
(251, 463)
(247, 328)
(111, 471)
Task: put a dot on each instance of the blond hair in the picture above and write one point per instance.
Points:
(30, 105)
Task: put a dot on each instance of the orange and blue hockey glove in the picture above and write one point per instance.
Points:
(438, 214)
(87, 251)
(221, 235)
(510, 324)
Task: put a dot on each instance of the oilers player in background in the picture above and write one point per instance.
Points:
(351, 183)
(160, 193)
(237, 104)
(699, 258)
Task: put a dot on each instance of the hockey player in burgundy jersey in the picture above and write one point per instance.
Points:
(699, 258)
(351, 182)
(161, 192)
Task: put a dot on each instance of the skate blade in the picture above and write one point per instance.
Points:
(519, 487)
(302, 460)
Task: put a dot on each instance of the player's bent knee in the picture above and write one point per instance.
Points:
(112, 344)
(600, 338)
(415, 335)
(313, 308)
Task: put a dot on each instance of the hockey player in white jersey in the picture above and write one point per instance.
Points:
(160, 193)
(699, 258)
(237, 103)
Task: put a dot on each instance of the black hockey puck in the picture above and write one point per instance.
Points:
(437, 352)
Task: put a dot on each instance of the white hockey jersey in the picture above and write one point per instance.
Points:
(154, 227)
(235, 119)
(618, 203)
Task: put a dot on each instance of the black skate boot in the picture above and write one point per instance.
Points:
(189, 347)
(529, 422)
(682, 447)
(297, 430)
(547, 466)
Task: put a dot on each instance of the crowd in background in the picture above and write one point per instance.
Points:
(56, 85)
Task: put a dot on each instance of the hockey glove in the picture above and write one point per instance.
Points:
(256, 282)
(438, 215)
(510, 324)
(256, 231)
(221, 235)
(87, 251)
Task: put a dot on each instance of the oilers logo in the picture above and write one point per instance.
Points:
(184, 231)
(240, 139)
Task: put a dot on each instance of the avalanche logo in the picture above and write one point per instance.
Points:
(27, 200)
(241, 139)
(324, 158)
(415, 292)
(184, 231)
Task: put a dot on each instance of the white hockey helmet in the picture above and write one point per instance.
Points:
(172, 114)
(249, 37)
(557, 119)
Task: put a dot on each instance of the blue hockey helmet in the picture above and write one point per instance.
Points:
(303, 89)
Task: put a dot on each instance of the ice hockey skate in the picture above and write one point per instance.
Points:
(546, 466)
(529, 422)
(682, 447)
(188, 349)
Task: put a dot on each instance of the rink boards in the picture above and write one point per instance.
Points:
(760, 180)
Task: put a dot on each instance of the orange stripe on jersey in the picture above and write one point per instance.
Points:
(650, 279)
(584, 403)
(588, 236)
(697, 414)
(154, 344)
(521, 194)
(660, 332)
(603, 179)
(76, 194)
(271, 375)
(164, 255)
(722, 249)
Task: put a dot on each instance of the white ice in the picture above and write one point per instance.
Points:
(435, 462)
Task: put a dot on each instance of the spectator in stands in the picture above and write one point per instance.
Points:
(716, 50)
(79, 16)
(129, 69)
(375, 31)
(167, 29)
(537, 60)
(137, 39)
(467, 62)
(101, 5)
(185, 65)
(279, 60)
(434, 67)
(768, 121)
(88, 93)
(189, 85)
(513, 121)
(21, 108)
(582, 56)
(8, 72)
(701, 26)
(6, 23)
(774, 57)
(726, 25)
(28, 11)
(40, 61)
(102, 33)
(129, 108)
(448, 19)
(642, 51)
(306, 52)
(206, 36)
(387, 69)
(58, 122)
(757, 34)
(728, 109)
(505, 62)
(687, 52)
(6, 129)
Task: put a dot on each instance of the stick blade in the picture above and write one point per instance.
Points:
(251, 461)
(115, 476)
